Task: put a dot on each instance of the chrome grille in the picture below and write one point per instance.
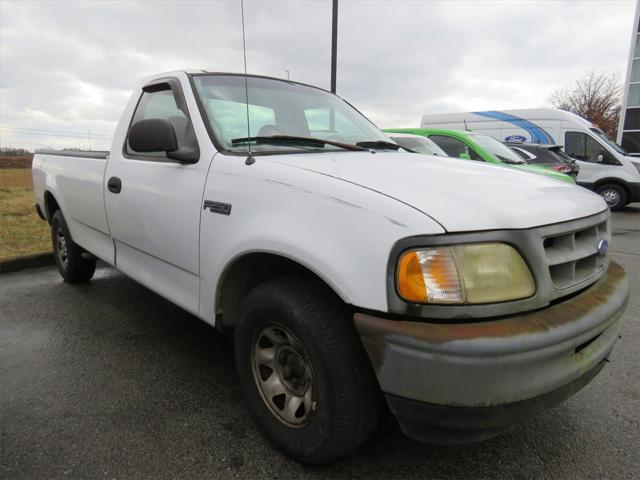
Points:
(573, 256)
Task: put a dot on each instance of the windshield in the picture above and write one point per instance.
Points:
(603, 136)
(419, 145)
(493, 146)
(279, 108)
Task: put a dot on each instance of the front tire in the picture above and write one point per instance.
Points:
(305, 374)
(74, 264)
(614, 195)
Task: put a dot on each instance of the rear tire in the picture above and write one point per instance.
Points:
(614, 194)
(298, 328)
(74, 264)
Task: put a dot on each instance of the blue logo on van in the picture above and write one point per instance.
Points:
(515, 138)
(538, 135)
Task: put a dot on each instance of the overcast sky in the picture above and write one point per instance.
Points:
(68, 67)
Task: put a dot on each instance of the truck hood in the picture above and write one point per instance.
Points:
(461, 195)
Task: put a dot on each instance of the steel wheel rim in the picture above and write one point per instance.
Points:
(611, 196)
(61, 242)
(283, 375)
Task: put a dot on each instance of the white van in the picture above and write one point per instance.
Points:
(604, 166)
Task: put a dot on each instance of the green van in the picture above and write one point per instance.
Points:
(476, 146)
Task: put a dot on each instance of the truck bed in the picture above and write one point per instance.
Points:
(77, 178)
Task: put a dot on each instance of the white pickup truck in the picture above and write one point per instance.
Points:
(352, 273)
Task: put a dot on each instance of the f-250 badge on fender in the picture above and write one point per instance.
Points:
(217, 207)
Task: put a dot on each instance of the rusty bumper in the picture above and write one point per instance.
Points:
(500, 362)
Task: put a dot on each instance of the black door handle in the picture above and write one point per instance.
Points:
(114, 185)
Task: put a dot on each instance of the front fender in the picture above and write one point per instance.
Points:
(340, 231)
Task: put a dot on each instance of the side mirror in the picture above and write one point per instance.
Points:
(607, 158)
(152, 135)
(465, 156)
(158, 135)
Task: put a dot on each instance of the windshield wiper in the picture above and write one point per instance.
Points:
(293, 140)
(378, 144)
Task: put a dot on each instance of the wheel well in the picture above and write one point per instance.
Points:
(50, 205)
(249, 271)
(614, 181)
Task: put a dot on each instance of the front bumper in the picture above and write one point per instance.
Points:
(634, 191)
(507, 362)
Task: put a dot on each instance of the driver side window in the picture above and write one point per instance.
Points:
(581, 146)
(160, 102)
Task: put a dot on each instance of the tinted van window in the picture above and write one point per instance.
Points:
(581, 146)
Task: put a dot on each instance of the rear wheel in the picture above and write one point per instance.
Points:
(303, 369)
(614, 195)
(74, 264)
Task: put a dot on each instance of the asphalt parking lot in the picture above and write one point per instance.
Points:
(108, 380)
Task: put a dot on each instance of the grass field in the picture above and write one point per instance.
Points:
(22, 232)
(15, 177)
(17, 161)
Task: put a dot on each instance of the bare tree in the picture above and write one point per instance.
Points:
(596, 97)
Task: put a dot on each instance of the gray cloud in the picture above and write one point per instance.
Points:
(70, 66)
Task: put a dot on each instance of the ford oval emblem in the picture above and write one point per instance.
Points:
(515, 138)
(603, 246)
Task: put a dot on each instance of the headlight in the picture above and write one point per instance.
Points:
(471, 273)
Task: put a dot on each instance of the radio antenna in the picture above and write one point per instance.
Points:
(465, 125)
(250, 160)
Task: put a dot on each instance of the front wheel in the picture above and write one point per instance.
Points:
(304, 371)
(614, 195)
(74, 264)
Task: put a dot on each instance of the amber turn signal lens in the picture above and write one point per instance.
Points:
(429, 275)
(410, 279)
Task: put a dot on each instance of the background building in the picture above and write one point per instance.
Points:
(629, 130)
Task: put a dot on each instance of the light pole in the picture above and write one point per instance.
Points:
(334, 44)
(287, 74)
